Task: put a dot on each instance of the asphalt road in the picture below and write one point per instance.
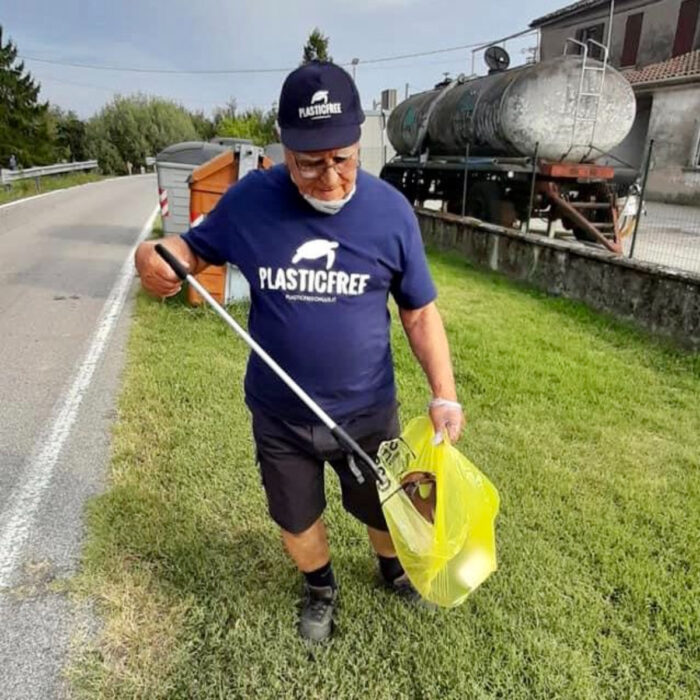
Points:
(669, 234)
(65, 289)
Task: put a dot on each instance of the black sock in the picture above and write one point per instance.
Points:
(390, 567)
(321, 578)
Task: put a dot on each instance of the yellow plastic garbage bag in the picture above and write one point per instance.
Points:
(445, 540)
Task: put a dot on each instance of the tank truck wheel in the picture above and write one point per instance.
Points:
(507, 214)
(485, 201)
(567, 224)
(454, 206)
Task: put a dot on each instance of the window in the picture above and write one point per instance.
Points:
(633, 30)
(595, 32)
(687, 23)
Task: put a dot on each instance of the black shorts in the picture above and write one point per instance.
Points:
(292, 456)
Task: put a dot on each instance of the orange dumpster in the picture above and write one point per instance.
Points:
(207, 183)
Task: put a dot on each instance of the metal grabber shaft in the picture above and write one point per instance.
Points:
(347, 443)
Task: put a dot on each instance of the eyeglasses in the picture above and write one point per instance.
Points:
(316, 167)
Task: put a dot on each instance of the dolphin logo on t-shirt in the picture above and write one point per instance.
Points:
(313, 250)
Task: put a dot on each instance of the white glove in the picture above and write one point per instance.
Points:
(446, 415)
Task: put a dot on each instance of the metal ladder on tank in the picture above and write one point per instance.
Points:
(589, 94)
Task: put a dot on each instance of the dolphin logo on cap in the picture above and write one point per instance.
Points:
(319, 96)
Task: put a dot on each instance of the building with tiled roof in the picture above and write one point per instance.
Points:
(679, 69)
(643, 31)
(656, 44)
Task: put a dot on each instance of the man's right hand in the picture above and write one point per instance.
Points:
(157, 277)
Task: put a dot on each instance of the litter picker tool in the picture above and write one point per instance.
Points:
(367, 466)
(440, 509)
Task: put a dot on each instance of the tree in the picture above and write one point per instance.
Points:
(129, 129)
(228, 111)
(316, 47)
(70, 134)
(24, 121)
(252, 124)
(205, 127)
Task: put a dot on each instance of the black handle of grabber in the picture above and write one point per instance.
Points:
(351, 447)
(178, 267)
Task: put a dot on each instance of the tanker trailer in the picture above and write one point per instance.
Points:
(490, 137)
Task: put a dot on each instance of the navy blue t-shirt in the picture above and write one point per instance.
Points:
(319, 287)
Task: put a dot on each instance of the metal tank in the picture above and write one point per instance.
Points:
(556, 103)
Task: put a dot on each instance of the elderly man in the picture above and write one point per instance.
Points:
(322, 244)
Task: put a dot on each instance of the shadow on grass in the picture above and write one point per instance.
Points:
(241, 589)
(220, 558)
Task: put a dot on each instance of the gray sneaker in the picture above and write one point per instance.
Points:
(403, 588)
(316, 619)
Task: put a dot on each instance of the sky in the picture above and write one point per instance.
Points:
(181, 35)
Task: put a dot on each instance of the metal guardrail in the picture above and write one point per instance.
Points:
(8, 176)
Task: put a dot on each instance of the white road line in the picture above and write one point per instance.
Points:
(25, 503)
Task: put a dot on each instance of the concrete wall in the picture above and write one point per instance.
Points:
(656, 40)
(375, 148)
(670, 116)
(674, 125)
(664, 301)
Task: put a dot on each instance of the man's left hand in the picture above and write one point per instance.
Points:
(446, 416)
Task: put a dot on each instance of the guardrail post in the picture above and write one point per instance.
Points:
(37, 183)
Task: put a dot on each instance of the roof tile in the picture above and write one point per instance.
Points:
(685, 65)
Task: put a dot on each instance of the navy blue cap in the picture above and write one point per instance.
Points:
(319, 108)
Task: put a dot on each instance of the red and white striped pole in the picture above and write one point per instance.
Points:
(163, 197)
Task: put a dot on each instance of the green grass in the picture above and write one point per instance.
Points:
(591, 432)
(27, 188)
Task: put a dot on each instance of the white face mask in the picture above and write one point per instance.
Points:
(332, 206)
